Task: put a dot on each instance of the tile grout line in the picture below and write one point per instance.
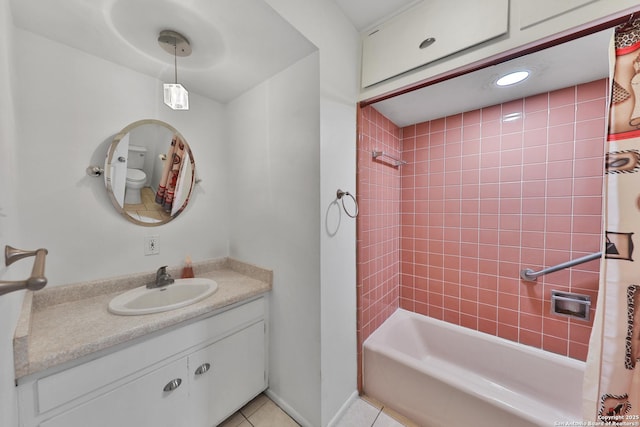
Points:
(377, 416)
(247, 418)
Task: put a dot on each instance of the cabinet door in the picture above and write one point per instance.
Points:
(226, 375)
(534, 12)
(142, 402)
(397, 46)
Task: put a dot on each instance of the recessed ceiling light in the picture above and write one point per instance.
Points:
(512, 78)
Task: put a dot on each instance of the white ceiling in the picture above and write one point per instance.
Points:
(364, 14)
(240, 43)
(236, 43)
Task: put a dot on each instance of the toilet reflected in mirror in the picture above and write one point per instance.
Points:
(136, 178)
(149, 172)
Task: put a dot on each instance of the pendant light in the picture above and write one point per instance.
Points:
(175, 95)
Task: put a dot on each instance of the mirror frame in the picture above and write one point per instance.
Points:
(108, 179)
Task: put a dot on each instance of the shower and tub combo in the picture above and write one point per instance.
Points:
(450, 334)
(451, 331)
(444, 375)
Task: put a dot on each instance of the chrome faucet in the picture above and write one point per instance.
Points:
(162, 278)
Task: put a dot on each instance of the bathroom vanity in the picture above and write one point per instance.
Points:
(192, 366)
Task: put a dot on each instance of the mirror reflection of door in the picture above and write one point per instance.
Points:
(119, 170)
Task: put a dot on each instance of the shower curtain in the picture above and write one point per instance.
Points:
(612, 377)
(171, 174)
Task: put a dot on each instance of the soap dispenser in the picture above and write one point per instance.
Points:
(187, 270)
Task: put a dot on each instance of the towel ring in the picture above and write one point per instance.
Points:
(340, 194)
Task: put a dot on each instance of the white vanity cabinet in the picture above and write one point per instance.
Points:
(196, 375)
(140, 402)
(225, 375)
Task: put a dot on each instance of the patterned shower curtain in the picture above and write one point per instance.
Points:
(171, 174)
(612, 379)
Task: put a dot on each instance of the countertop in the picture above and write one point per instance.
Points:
(63, 323)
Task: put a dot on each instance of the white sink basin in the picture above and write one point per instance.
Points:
(179, 294)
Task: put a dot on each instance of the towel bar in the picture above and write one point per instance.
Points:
(340, 194)
(37, 280)
(396, 162)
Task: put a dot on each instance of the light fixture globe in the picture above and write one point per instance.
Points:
(175, 95)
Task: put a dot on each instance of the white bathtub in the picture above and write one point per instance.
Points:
(443, 375)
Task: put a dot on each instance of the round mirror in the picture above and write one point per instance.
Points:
(149, 172)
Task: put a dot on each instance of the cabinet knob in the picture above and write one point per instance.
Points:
(173, 384)
(203, 368)
(427, 42)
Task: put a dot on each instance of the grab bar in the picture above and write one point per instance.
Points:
(37, 280)
(530, 276)
(396, 162)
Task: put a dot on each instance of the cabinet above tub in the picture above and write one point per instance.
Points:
(466, 32)
(429, 31)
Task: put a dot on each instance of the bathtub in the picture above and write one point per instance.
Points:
(439, 374)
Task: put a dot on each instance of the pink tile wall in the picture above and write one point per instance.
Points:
(484, 196)
(378, 224)
(480, 198)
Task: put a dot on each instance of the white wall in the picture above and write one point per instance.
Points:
(69, 105)
(324, 24)
(269, 181)
(274, 201)
(9, 303)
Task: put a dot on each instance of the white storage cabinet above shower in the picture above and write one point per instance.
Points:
(465, 32)
(427, 32)
(196, 375)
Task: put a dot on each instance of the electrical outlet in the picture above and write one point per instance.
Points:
(151, 245)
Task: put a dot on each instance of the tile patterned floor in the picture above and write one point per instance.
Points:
(365, 412)
(263, 412)
(260, 412)
(148, 208)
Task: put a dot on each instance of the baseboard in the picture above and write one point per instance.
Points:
(303, 421)
(288, 409)
(345, 406)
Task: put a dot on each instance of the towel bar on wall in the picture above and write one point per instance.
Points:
(530, 276)
(396, 162)
(37, 280)
(340, 194)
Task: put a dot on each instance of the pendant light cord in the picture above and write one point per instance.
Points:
(175, 59)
